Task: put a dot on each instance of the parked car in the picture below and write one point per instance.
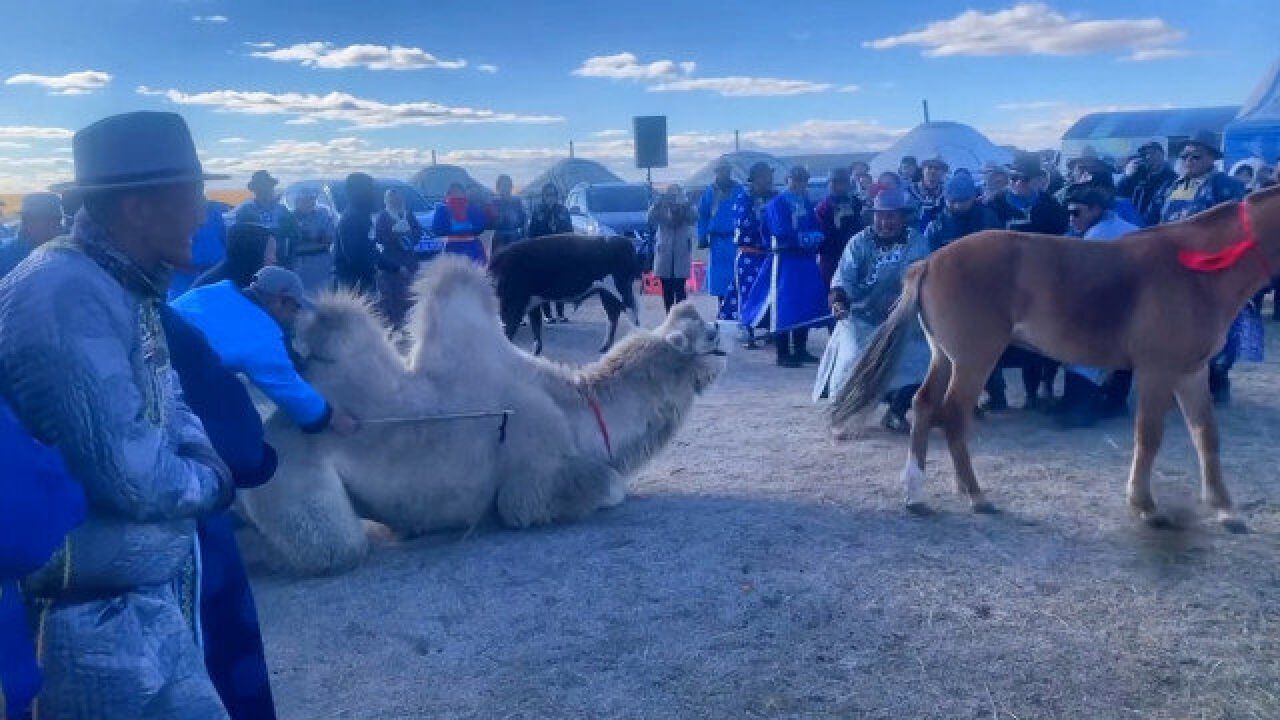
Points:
(616, 208)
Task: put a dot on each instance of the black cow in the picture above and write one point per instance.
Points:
(565, 268)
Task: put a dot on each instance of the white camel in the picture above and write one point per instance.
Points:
(574, 438)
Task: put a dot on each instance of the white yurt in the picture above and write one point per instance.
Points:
(565, 174)
(434, 180)
(960, 145)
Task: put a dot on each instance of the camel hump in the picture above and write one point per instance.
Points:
(455, 300)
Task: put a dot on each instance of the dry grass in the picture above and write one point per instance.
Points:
(759, 572)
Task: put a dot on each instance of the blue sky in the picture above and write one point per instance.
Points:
(308, 89)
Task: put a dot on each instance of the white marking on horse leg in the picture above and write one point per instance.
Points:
(913, 481)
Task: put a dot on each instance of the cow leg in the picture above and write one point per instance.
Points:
(926, 403)
(612, 310)
(1197, 409)
(1155, 394)
(535, 326)
(967, 379)
(511, 319)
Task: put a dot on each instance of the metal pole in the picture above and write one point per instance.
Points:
(925, 103)
(737, 146)
(570, 148)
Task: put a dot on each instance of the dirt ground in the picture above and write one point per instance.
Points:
(759, 571)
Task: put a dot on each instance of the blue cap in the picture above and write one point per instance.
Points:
(890, 198)
(960, 188)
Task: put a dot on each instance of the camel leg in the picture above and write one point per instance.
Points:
(927, 401)
(1197, 409)
(612, 310)
(1155, 394)
(966, 385)
(569, 490)
(535, 326)
(306, 517)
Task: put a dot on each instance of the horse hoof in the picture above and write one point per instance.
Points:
(985, 507)
(1233, 525)
(919, 509)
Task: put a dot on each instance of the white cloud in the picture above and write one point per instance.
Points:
(671, 76)
(1159, 53)
(75, 83)
(14, 145)
(487, 68)
(626, 66)
(309, 108)
(210, 19)
(27, 132)
(1037, 29)
(298, 159)
(739, 86)
(849, 89)
(24, 174)
(1041, 124)
(610, 133)
(233, 140)
(371, 57)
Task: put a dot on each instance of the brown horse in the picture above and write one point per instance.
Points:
(1132, 303)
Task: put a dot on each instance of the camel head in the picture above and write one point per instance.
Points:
(692, 337)
(344, 339)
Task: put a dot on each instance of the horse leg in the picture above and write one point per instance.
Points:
(1155, 394)
(957, 416)
(612, 310)
(925, 404)
(1197, 409)
(535, 326)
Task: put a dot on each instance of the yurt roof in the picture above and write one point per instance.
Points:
(566, 173)
(958, 144)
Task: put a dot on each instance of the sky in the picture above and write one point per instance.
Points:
(321, 88)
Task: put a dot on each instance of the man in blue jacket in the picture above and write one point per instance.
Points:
(41, 504)
(249, 330)
(715, 230)
(1201, 186)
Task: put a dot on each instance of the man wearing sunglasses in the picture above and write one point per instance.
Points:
(1201, 186)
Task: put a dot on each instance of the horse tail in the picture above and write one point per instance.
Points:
(870, 377)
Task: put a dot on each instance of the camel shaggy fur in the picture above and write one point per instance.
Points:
(416, 476)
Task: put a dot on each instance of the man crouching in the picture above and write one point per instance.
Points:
(84, 363)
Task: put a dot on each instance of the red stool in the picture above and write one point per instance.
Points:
(697, 281)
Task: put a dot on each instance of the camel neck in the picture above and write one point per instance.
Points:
(641, 399)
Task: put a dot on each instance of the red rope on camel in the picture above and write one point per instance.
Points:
(594, 404)
(1206, 262)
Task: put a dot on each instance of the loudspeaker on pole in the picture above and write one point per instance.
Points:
(650, 132)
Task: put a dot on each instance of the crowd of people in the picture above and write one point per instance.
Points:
(861, 237)
(129, 312)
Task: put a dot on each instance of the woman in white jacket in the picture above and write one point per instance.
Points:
(674, 220)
